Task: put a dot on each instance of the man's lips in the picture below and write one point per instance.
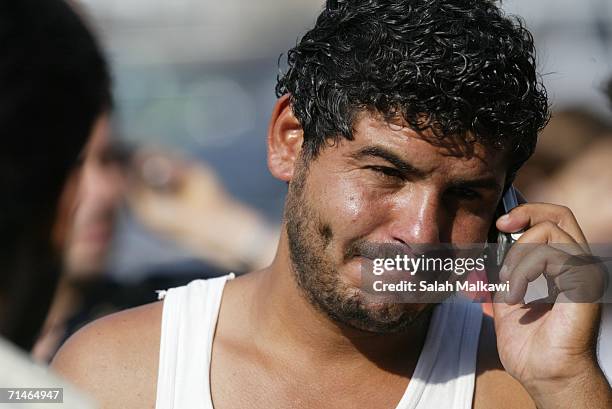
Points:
(366, 259)
(385, 251)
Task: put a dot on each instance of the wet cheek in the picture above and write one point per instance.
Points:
(354, 206)
(355, 209)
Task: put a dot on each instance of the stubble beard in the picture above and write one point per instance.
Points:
(318, 279)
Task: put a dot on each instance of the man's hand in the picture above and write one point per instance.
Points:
(550, 347)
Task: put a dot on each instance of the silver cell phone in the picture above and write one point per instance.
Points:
(509, 201)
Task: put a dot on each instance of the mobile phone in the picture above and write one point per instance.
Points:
(509, 201)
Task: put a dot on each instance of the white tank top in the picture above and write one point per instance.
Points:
(443, 378)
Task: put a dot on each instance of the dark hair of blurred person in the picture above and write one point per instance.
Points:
(54, 83)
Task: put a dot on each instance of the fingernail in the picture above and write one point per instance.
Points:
(504, 218)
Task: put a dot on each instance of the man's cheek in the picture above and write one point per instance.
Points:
(353, 209)
(470, 229)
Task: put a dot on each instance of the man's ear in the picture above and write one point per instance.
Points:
(285, 137)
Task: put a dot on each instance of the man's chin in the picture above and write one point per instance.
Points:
(390, 319)
(365, 312)
(351, 273)
(85, 265)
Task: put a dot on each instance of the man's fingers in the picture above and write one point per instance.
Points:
(551, 239)
(529, 215)
(542, 233)
(574, 276)
(539, 260)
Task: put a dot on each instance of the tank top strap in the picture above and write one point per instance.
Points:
(446, 370)
(188, 325)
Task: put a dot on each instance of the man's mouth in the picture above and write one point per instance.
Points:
(373, 251)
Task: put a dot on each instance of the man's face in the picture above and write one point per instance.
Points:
(98, 191)
(389, 185)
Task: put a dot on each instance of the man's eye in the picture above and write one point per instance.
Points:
(387, 172)
(465, 193)
(116, 155)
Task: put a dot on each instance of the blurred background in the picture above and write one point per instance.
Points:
(197, 76)
(178, 182)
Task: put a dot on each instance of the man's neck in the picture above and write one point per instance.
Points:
(287, 321)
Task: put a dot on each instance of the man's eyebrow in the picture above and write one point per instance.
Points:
(385, 154)
(408, 169)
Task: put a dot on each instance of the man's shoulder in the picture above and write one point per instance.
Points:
(494, 386)
(115, 358)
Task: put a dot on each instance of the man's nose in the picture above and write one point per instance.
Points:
(416, 218)
(102, 185)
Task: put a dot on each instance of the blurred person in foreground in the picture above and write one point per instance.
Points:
(54, 82)
(397, 122)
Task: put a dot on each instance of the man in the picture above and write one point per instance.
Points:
(85, 228)
(91, 219)
(53, 82)
(398, 122)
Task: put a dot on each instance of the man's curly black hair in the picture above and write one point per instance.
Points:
(461, 64)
